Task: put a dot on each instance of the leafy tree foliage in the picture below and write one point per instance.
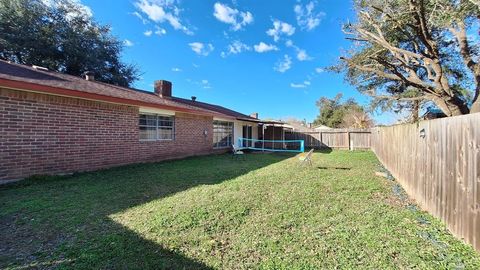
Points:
(416, 50)
(337, 114)
(62, 36)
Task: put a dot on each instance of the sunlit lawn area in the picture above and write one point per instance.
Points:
(216, 212)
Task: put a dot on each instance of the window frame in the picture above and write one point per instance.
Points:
(158, 127)
(231, 125)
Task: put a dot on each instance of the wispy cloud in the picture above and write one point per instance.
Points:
(263, 47)
(236, 47)
(319, 70)
(201, 49)
(148, 33)
(307, 19)
(237, 19)
(128, 43)
(176, 69)
(301, 53)
(160, 31)
(138, 15)
(284, 64)
(205, 84)
(297, 85)
(280, 29)
(162, 11)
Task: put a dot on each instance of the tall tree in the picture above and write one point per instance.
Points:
(409, 50)
(62, 36)
(333, 113)
(356, 119)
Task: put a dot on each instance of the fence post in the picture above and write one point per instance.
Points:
(349, 142)
(321, 140)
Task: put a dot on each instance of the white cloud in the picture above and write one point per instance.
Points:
(201, 49)
(284, 64)
(160, 31)
(160, 11)
(235, 48)
(279, 29)
(301, 53)
(148, 33)
(306, 82)
(319, 70)
(128, 43)
(176, 69)
(237, 19)
(138, 15)
(297, 85)
(307, 19)
(263, 47)
(205, 84)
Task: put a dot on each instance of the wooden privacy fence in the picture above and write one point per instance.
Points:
(333, 138)
(438, 164)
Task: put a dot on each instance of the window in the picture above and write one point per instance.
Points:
(156, 127)
(222, 134)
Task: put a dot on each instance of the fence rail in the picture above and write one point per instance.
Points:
(438, 164)
(333, 138)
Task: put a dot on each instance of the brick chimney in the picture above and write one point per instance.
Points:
(163, 88)
(254, 115)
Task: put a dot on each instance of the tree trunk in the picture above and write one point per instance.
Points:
(475, 107)
(451, 106)
(415, 110)
(476, 100)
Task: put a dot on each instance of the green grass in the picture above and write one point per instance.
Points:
(217, 213)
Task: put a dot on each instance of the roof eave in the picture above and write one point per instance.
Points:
(38, 88)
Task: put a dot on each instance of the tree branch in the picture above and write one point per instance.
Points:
(460, 34)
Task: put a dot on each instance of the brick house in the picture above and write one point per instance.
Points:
(52, 123)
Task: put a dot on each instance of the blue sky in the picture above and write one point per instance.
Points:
(249, 55)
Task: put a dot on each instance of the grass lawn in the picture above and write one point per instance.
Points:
(218, 213)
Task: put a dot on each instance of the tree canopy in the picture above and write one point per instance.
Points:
(416, 50)
(61, 35)
(336, 113)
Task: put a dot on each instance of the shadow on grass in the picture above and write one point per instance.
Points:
(322, 150)
(335, 168)
(63, 222)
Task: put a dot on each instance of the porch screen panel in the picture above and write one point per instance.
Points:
(222, 134)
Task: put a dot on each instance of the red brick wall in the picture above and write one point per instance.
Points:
(44, 134)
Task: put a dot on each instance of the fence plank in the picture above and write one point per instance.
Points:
(334, 138)
(440, 171)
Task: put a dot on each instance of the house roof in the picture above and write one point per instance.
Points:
(321, 127)
(299, 127)
(28, 78)
(215, 108)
